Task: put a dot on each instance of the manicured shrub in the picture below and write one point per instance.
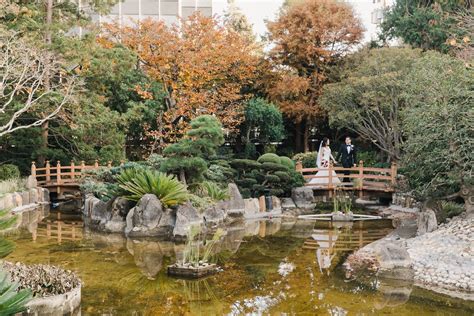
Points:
(290, 164)
(9, 171)
(270, 157)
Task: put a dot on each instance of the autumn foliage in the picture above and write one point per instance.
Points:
(308, 36)
(203, 65)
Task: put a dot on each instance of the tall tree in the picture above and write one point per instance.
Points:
(438, 127)
(426, 24)
(24, 89)
(369, 98)
(203, 65)
(236, 20)
(308, 37)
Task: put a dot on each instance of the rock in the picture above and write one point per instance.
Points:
(33, 196)
(186, 216)
(303, 197)
(116, 221)
(25, 197)
(120, 207)
(235, 202)
(287, 203)
(276, 203)
(426, 222)
(17, 199)
(214, 215)
(99, 210)
(148, 219)
(252, 208)
(31, 182)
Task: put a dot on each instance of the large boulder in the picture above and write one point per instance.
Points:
(116, 221)
(303, 197)
(148, 219)
(99, 210)
(186, 216)
(235, 205)
(252, 208)
(426, 222)
(387, 256)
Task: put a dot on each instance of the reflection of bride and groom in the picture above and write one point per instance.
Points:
(347, 156)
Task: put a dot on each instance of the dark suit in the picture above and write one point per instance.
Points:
(348, 158)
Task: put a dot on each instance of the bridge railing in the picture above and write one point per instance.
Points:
(360, 177)
(62, 175)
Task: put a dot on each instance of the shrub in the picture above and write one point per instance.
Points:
(9, 171)
(138, 182)
(155, 161)
(213, 190)
(12, 185)
(307, 159)
(451, 209)
(287, 162)
(269, 157)
(101, 190)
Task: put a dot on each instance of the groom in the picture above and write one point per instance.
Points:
(348, 154)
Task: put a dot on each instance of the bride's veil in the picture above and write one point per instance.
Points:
(318, 155)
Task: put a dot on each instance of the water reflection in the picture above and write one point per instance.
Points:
(270, 267)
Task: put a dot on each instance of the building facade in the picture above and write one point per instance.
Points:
(169, 11)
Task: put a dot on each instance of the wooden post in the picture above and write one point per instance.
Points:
(361, 178)
(261, 204)
(330, 176)
(83, 167)
(33, 169)
(394, 173)
(96, 164)
(109, 164)
(73, 170)
(58, 172)
(48, 171)
(122, 162)
(299, 167)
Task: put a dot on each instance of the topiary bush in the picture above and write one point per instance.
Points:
(9, 171)
(270, 173)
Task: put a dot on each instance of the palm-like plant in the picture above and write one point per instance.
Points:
(12, 301)
(138, 182)
(213, 190)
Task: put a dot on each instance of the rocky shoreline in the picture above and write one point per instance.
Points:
(439, 259)
(443, 260)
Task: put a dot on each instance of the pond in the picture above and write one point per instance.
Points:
(269, 267)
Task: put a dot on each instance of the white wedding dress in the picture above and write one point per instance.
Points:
(323, 165)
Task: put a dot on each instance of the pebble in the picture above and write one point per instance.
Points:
(445, 256)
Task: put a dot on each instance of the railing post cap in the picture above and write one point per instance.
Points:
(33, 163)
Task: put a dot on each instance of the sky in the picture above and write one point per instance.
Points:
(257, 11)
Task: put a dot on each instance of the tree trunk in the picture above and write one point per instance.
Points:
(47, 83)
(306, 137)
(298, 145)
(182, 176)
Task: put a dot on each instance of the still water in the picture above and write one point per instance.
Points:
(271, 267)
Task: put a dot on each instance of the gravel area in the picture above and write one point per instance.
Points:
(43, 280)
(444, 258)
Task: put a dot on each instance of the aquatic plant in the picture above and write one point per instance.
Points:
(135, 183)
(342, 202)
(196, 251)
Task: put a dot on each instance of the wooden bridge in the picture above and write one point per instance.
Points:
(63, 179)
(363, 180)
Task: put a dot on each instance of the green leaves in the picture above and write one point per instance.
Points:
(11, 300)
(138, 182)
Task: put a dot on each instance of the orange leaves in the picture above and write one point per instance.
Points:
(309, 36)
(202, 64)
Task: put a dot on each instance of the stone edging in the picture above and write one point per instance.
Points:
(28, 199)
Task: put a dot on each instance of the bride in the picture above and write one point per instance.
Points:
(322, 162)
